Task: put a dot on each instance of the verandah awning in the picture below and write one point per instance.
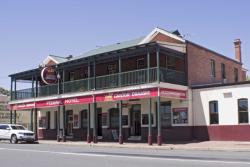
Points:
(105, 97)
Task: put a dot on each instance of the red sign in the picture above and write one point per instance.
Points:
(183, 109)
(78, 100)
(49, 103)
(49, 75)
(173, 93)
(126, 95)
(23, 106)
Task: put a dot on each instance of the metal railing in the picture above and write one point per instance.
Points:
(22, 94)
(47, 90)
(172, 76)
(108, 81)
(75, 86)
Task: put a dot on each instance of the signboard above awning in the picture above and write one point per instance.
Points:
(114, 96)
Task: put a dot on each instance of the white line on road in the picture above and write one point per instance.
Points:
(127, 156)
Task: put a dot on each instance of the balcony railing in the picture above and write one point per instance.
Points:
(108, 81)
(22, 94)
(47, 90)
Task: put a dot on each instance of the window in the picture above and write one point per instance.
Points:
(84, 118)
(112, 68)
(114, 117)
(243, 110)
(55, 119)
(165, 114)
(223, 71)
(180, 115)
(125, 120)
(236, 75)
(212, 63)
(141, 63)
(213, 112)
(47, 120)
(145, 119)
(175, 63)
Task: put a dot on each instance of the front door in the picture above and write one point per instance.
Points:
(69, 123)
(99, 121)
(135, 120)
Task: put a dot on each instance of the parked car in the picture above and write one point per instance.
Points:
(15, 133)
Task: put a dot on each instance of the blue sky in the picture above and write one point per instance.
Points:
(31, 30)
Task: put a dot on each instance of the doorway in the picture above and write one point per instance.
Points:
(99, 121)
(135, 120)
(69, 123)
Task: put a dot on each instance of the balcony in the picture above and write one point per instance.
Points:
(122, 79)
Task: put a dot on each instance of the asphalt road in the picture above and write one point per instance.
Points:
(44, 155)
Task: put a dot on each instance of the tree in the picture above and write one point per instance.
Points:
(4, 91)
(248, 78)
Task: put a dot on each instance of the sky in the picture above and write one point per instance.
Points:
(31, 30)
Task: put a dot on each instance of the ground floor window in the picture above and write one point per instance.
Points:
(243, 110)
(165, 114)
(180, 115)
(114, 118)
(84, 118)
(145, 120)
(213, 112)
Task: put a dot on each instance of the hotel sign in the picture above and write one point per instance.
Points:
(78, 100)
(173, 93)
(49, 103)
(126, 95)
(49, 75)
(23, 106)
(114, 96)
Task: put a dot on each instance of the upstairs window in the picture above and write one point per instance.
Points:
(213, 112)
(223, 71)
(243, 110)
(236, 78)
(212, 64)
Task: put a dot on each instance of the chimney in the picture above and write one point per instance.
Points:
(237, 47)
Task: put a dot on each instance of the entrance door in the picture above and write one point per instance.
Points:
(69, 123)
(135, 120)
(99, 121)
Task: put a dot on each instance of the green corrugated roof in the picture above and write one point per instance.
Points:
(110, 48)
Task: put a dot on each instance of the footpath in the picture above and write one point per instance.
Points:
(192, 145)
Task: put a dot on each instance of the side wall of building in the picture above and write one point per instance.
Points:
(228, 127)
(199, 67)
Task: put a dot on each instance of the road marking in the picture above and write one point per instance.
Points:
(127, 156)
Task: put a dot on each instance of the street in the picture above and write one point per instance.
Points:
(41, 155)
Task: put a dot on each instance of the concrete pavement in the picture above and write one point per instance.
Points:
(202, 145)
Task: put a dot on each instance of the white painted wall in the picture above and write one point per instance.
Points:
(227, 105)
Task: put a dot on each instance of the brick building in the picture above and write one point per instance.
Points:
(138, 90)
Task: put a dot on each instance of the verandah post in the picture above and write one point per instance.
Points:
(88, 125)
(148, 66)
(64, 124)
(159, 137)
(95, 123)
(120, 123)
(149, 123)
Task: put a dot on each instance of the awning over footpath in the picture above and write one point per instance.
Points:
(105, 97)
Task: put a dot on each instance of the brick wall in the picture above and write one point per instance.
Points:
(199, 68)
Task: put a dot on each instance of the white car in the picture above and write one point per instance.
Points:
(15, 133)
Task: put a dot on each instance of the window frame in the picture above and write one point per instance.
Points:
(236, 75)
(213, 68)
(217, 112)
(247, 111)
(223, 71)
(116, 111)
